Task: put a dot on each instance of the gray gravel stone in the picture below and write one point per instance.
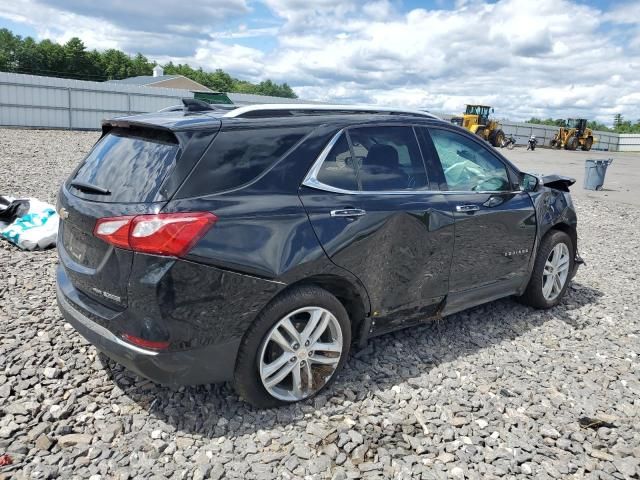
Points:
(496, 391)
(74, 439)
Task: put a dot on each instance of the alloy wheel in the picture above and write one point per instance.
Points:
(300, 353)
(556, 271)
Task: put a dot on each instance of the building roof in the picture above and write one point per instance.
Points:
(171, 81)
(242, 99)
(145, 79)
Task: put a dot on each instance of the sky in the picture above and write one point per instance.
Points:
(544, 58)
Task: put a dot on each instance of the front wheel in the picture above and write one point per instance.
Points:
(497, 138)
(551, 272)
(294, 348)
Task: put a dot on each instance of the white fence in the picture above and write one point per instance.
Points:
(47, 102)
(629, 142)
(544, 134)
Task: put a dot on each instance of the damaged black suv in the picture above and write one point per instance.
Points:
(257, 245)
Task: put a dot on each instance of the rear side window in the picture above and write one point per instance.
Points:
(384, 159)
(388, 159)
(237, 157)
(131, 164)
(338, 169)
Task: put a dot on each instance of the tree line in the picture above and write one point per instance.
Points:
(620, 125)
(73, 60)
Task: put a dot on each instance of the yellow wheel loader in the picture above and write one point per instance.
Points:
(476, 120)
(574, 135)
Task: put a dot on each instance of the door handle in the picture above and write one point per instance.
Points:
(467, 208)
(348, 212)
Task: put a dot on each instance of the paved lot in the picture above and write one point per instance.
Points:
(500, 391)
(622, 182)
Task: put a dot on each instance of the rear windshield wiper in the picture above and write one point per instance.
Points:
(89, 188)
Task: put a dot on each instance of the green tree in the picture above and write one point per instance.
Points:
(617, 120)
(72, 60)
(140, 65)
(9, 44)
(115, 64)
(75, 57)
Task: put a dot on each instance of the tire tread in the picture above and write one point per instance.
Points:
(245, 383)
(533, 296)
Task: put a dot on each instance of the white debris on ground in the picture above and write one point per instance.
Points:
(501, 390)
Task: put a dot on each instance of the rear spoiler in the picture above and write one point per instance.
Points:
(557, 182)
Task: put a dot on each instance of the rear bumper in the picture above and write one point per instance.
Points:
(202, 365)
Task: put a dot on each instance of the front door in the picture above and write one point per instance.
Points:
(495, 224)
(369, 202)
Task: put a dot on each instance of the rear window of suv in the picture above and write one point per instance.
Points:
(131, 164)
(237, 157)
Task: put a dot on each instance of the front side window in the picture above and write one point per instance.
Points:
(468, 165)
(380, 159)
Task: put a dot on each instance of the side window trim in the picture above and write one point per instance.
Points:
(422, 157)
(311, 179)
(486, 149)
(353, 159)
(430, 158)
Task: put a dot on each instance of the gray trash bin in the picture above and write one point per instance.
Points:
(594, 172)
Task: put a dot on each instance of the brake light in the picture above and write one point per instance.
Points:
(141, 342)
(171, 234)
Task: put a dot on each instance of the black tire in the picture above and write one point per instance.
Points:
(480, 132)
(588, 143)
(497, 138)
(533, 295)
(555, 144)
(247, 380)
(572, 143)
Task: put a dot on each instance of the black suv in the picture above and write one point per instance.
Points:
(257, 245)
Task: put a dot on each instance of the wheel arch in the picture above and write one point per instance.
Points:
(350, 296)
(569, 230)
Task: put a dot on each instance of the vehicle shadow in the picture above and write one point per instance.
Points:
(215, 410)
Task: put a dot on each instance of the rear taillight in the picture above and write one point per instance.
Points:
(171, 234)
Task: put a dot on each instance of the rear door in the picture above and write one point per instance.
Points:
(371, 206)
(495, 223)
(124, 174)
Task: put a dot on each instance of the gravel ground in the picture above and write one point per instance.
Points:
(498, 391)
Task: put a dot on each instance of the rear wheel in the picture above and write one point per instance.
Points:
(572, 143)
(294, 349)
(497, 138)
(551, 272)
(588, 143)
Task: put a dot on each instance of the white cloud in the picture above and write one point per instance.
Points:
(546, 58)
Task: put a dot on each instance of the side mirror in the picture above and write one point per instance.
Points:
(529, 182)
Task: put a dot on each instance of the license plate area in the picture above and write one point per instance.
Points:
(76, 243)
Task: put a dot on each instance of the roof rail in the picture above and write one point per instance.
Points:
(291, 108)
